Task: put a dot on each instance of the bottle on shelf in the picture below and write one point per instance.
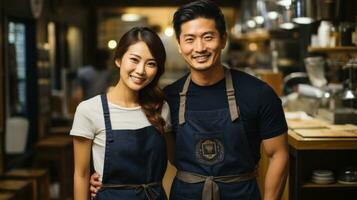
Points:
(324, 33)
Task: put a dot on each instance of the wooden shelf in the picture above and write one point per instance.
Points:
(332, 49)
(252, 37)
(332, 185)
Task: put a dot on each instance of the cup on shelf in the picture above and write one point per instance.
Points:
(348, 175)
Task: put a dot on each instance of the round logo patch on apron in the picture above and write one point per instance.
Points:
(209, 151)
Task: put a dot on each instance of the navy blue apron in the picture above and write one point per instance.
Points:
(212, 154)
(135, 163)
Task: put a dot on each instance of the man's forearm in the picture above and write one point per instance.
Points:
(276, 175)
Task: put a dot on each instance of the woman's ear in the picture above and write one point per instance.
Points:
(118, 62)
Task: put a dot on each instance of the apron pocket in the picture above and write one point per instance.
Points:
(209, 147)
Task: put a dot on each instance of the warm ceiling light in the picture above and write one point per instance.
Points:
(305, 11)
(129, 17)
(287, 25)
(112, 44)
(259, 19)
(252, 46)
(251, 23)
(285, 3)
(169, 31)
(273, 15)
(303, 20)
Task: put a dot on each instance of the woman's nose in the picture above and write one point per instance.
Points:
(140, 69)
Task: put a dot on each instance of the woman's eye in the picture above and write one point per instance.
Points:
(135, 60)
(152, 64)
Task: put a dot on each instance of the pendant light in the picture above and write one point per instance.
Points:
(305, 11)
(286, 15)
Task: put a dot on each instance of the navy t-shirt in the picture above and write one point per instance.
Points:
(260, 108)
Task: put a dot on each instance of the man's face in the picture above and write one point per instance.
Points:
(200, 44)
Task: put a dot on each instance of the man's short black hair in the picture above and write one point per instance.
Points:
(200, 8)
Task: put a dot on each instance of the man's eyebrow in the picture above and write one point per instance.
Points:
(193, 35)
(208, 32)
(188, 35)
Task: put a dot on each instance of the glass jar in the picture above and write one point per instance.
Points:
(346, 30)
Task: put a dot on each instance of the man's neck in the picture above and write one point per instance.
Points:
(208, 77)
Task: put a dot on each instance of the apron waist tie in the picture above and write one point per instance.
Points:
(210, 189)
(150, 192)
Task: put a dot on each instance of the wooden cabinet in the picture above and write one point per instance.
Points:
(44, 89)
(343, 49)
(308, 154)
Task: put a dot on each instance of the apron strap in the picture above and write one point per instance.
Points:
(182, 105)
(210, 189)
(108, 124)
(150, 192)
(233, 108)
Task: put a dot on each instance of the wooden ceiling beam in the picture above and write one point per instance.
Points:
(154, 3)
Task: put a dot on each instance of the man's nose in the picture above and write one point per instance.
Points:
(200, 46)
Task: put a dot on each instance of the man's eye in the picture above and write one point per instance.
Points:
(208, 38)
(189, 40)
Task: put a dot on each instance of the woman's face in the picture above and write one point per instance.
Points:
(137, 67)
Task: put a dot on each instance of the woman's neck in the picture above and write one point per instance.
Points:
(123, 96)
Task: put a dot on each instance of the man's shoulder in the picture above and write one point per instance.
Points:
(244, 79)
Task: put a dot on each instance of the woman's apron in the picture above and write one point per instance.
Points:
(213, 156)
(135, 163)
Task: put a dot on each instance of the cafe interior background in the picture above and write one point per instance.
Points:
(305, 49)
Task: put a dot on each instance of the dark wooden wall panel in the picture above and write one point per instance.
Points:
(2, 92)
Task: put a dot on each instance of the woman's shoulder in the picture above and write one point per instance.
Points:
(91, 104)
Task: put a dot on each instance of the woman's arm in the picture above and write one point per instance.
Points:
(170, 143)
(82, 152)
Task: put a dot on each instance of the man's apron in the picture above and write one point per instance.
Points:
(135, 163)
(213, 157)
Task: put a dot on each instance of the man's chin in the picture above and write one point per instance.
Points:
(202, 67)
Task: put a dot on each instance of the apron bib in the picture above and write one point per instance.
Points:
(212, 153)
(135, 163)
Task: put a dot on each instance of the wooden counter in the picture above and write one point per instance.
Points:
(312, 153)
(301, 143)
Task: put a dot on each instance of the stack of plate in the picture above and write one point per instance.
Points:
(323, 176)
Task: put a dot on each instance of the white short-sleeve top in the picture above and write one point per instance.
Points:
(89, 123)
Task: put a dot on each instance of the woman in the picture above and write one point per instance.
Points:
(124, 127)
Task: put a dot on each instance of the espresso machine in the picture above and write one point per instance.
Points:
(342, 104)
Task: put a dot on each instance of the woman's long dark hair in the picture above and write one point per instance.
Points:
(151, 97)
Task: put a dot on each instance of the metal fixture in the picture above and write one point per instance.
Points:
(305, 11)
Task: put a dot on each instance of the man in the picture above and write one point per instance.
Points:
(94, 79)
(220, 117)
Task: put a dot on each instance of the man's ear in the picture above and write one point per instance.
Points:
(224, 40)
(118, 62)
(179, 48)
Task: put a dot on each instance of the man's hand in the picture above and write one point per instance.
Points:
(95, 184)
